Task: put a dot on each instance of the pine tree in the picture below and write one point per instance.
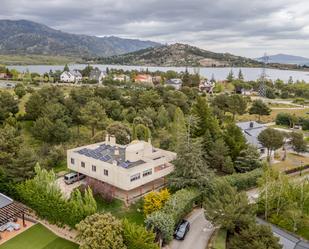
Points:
(240, 75)
(230, 76)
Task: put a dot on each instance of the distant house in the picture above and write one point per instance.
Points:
(71, 76)
(121, 77)
(176, 83)
(144, 79)
(206, 86)
(156, 80)
(5, 76)
(97, 75)
(78, 76)
(251, 131)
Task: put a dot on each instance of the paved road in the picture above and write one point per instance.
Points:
(199, 234)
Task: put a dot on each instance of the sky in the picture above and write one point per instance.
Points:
(242, 27)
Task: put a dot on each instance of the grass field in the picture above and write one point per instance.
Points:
(292, 160)
(271, 118)
(133, 213)
(38, 237)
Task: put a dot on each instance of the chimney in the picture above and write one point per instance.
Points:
(107, 138)
(251, 124)
(112, 140)
(116, 151)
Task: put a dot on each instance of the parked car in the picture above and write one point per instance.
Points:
(73, 177)
(182, 229)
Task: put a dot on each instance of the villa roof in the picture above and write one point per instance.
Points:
(106, 153)
(251, 132)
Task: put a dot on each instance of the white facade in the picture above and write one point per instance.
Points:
(71, 77)
(125, 167)
(67, 77)
(121, 77)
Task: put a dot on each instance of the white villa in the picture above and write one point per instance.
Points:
(73, 76)
(127, 171)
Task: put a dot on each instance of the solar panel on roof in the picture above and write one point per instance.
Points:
(124, 165)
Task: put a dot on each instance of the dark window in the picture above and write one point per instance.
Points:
(106, 172)
(72, 161)
(82, 164)
(147, 172)
(94, 168)
(135, 177)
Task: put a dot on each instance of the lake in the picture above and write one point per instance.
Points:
(219, 73)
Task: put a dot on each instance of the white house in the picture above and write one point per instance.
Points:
(121, 77)
(206, 86)
(71, 76)
(127, 171)
(97, 75)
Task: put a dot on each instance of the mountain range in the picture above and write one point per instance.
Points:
(24, 37)
(178, 55)
(286, 59)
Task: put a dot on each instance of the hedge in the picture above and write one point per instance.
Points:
(244, 181)
(181, 203)
(165, 220)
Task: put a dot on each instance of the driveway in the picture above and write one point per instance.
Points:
(66, 189)
(199, 234)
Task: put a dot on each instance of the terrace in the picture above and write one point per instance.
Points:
(12, 218)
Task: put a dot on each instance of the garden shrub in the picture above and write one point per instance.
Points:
(154, 201)
(244, 181)
(162, 223)
(283, 119)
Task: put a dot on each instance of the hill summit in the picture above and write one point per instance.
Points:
(178, 55)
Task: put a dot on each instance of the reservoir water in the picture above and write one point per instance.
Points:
(219, 73)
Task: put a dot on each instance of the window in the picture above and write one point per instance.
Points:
(82, 164)
(135, 177)
(106, 172)
(72, 161)
(94, 168)
(147, 172)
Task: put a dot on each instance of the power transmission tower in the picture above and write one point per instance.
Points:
(262, 85)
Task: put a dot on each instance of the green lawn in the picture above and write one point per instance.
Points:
(38, 237)
(133, 213)
(220, 240)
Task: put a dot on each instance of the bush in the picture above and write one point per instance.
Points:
(283, 119)
(162, 223)
(154, 201)
(305, 124)
(137, 237)
(244, 181)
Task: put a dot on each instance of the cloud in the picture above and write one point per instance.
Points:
(238, 26)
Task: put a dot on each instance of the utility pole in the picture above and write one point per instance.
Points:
(262, 85)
